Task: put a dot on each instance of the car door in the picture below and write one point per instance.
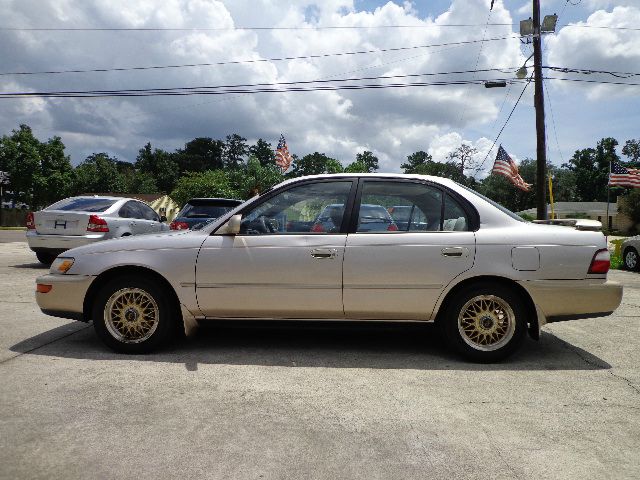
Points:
(284, 263)
(391, 273)
(132, 217)
(149, 218)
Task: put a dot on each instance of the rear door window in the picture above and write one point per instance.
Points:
(392, 206)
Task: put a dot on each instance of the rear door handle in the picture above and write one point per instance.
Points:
(322, 253)
(455, 252)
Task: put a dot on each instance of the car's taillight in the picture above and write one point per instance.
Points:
(178, 225)
(392, 227)
(31, 223)
(317, 228)
(601, 262)
(97, 224)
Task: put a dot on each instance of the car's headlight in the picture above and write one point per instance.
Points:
(61, 265)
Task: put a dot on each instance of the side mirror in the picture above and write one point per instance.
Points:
(232, 227)
(163, 218)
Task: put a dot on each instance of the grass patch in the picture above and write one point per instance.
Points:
(13, 228)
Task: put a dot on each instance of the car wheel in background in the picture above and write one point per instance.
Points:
(46, 258)
(134, 315)
(485, 323)
(631, 259)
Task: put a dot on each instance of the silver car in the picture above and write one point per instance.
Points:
(78, 221)
(481, 273)
(630, 249)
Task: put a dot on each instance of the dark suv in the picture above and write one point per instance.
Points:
(202, 211)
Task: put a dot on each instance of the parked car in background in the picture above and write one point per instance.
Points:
(630, 249)
(200, 211)
(483, 275)
(408, 217)
(78, 221)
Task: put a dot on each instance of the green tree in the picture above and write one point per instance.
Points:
(210, 183)
(254, 178)
(631, 149)
(235, 148)
(416, 162)
(200, 154)
(158, 165)
(99, 173)
(263, 152)
(631, 208)
(591, 169)
(315, 164)
(366, 162)
(40, 173)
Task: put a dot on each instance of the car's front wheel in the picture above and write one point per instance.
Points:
(485, 323)
(133, 315)
(631, 259)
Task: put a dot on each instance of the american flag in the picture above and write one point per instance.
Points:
(623, 176)
(283, 158)
(507, 167)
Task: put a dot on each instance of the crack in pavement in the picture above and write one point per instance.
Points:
(595, 364)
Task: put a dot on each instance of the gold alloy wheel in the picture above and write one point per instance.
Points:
(486, 323)
(131, 315)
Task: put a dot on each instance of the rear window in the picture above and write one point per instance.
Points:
(204, 211)
(374, 211)
(82, 204)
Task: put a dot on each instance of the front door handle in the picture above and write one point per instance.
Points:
(324, 253)
(455, 252)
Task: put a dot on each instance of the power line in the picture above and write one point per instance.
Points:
(262, 60)
(583, 80)
(589, 71)
(223, 29)
(255, 85)
(311, 28)
(553, 120)
(308, 88)
(503, 126)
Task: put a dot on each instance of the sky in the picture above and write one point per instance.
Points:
(391, 122)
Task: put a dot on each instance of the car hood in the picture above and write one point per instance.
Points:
(152, 241)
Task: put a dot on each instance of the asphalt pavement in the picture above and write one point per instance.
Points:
(312, 400)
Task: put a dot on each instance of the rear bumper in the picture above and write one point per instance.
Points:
(560, 300)
(66, 297)
(37, 241)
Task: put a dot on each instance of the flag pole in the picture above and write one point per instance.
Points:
(553, 215)
(608, 190)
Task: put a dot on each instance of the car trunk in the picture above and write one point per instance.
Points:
(60, 222)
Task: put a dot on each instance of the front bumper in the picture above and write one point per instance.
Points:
(37, 241)
(561, 300)
(66, 297)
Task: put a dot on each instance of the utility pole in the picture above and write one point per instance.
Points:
(538, 100)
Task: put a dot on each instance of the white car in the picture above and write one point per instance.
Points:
(630, 249)
(78, 221)
(480, 272)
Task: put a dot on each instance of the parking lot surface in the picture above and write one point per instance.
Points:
(312, 400)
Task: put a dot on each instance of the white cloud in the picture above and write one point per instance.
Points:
(598, 49)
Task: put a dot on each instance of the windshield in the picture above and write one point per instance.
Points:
(82, 204)
(495, 204)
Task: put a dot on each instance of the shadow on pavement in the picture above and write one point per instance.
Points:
(313, 344)
(36, 265)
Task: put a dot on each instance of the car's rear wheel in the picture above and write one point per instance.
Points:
(631, 259)
(485, 323)
(45, 258)
(134, 315)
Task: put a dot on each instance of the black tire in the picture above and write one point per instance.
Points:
(503, 334)
(114, 332)
(631, 259)
(46, 258)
